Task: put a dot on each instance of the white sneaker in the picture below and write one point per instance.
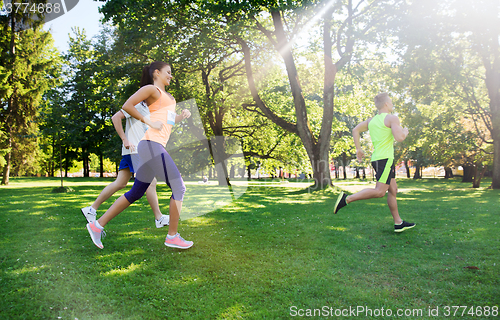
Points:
(89, 213)
(164, 220)
(96, 234)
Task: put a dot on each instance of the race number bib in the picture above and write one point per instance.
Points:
(171, 117)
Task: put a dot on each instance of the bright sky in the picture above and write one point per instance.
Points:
(84, 15)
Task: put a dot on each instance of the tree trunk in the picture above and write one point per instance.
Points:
(60, 163)
(6, 169)
(321, 170)
(408, 175)
(495, 183)
(468, 173)
(317, 149)
(448, 173)
(344, 160)
(86, 171)
(52, 161)
(417, 174)
(337, 170)
(66, 162)
(478, 175)
(491, 62)
(249, 172)
(217, 147)
(232, 171)
(101, 165)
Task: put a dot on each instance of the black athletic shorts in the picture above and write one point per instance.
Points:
(385, 170)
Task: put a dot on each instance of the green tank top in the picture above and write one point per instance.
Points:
(382, 138)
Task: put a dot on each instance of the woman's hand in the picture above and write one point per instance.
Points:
(158, 125)
(185, 114)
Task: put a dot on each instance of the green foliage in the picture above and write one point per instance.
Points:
(109, 166)
(77, 114)
(30, 66)
(448, 51)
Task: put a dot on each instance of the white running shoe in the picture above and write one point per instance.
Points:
(89, 213)
(164, 220)
(96, 233)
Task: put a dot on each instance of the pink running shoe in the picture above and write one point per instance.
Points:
(95, 234)
(178, 242)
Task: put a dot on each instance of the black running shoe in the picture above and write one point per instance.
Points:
(340, 202)
(403, 226)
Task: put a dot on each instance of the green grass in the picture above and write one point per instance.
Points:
(273, 249)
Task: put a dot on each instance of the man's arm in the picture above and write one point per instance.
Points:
(398, 131)
(117, 123)
(356, 134)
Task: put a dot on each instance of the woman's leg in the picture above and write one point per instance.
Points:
(166, 170)
(174, 180)
(159, 161)
(174, 211)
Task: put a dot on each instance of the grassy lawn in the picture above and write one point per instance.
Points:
(273, 253)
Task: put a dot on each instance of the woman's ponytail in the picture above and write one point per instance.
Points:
(148, 70)
(146, 77)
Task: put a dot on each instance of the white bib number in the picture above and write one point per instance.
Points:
(171, 117)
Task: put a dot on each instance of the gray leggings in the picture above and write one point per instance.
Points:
(154, 161)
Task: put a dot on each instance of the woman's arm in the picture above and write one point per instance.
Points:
(141, 95)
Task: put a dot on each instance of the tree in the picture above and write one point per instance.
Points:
(267, 145)
(218, 70)
(88, 95)
(463, 33)
(107, 82)
(481, 20)
(29, 67)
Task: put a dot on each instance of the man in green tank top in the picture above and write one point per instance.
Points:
(384, 128)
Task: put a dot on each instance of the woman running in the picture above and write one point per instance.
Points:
(154, 161)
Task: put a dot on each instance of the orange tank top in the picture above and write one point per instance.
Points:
(162, 110)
